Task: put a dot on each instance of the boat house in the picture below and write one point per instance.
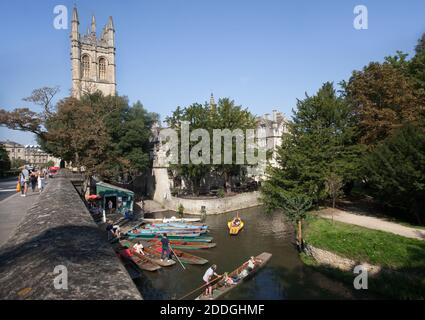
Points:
(122, 199)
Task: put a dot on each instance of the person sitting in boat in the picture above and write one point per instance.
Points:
(126, 253)
(252, 262)
(208, 278)
(116, 231)
(227, 280)
(135, 231)
(236, 222)
(138, 247)
(109, 230)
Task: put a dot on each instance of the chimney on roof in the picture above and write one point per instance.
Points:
(275, 115)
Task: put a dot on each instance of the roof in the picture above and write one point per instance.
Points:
(111, 186)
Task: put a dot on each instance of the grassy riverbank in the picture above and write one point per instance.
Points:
(402, 259)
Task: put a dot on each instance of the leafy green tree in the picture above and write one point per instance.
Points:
(396, 171)
(383, 97)
(321, 140)
(4, 161)
(295, 207)
(227, 115)
(224, 115)
(50, 164)
(195, 115)
(17, 163)
(102, 133)
(417, 69)
(333, 187)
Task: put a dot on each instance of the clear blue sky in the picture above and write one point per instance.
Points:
(264, 54)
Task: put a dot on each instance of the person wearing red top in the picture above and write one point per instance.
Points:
(126, 253)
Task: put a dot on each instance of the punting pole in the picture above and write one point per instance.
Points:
(200, 287)
(176, 256)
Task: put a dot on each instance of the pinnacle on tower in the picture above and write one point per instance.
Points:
(75, 15)
(110, 24)
(93, 24)
(212, 103)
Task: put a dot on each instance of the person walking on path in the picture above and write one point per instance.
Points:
(25, 179)
(21, 179)
(40, 182)
(33, 180)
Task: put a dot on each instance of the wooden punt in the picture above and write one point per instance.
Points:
(173, 219)
(170, 237)
(140, 261)
(220, 289)
(185, 245)
(183, 256)
(154, 259)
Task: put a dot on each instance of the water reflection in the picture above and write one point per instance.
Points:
(284, 277)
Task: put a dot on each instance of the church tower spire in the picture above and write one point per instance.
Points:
(212, 103)
(93, 24)
(75, 53)
(92, 59)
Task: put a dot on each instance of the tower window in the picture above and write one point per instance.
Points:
(102, 68)
(85, 61)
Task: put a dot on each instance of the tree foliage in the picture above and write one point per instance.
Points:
(4, 161)
(321, 139)
(383, 98)
(396, 171)
(103, 134)
(224, 115)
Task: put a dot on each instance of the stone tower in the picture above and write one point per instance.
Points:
(92, 58)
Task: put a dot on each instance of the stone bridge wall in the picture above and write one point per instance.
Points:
(58, 230)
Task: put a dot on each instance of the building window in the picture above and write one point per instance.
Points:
(102, 69)
(85, 66)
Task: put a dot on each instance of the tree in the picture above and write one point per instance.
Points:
(17, 163)
(4, 161)
(383, 97)
(195, 115)
(321, 139)
(224, 115)
(43, 97)
(396, 171)
(333, 186)
(417, 69)
(295, 207)
(50, 163)
(229, 116)
(25, 119)
(103, 134)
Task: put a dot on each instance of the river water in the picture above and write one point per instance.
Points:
(284, 277)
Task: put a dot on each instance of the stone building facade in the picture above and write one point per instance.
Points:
(92, 58)
(31, 154)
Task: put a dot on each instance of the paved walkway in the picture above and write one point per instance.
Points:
(373, 223)
(12, 211)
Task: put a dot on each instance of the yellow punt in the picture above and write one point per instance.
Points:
(233, 228)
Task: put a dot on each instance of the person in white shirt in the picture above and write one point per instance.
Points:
(138, 247)
(208, 277)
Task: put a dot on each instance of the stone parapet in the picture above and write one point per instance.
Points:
(59, 231)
